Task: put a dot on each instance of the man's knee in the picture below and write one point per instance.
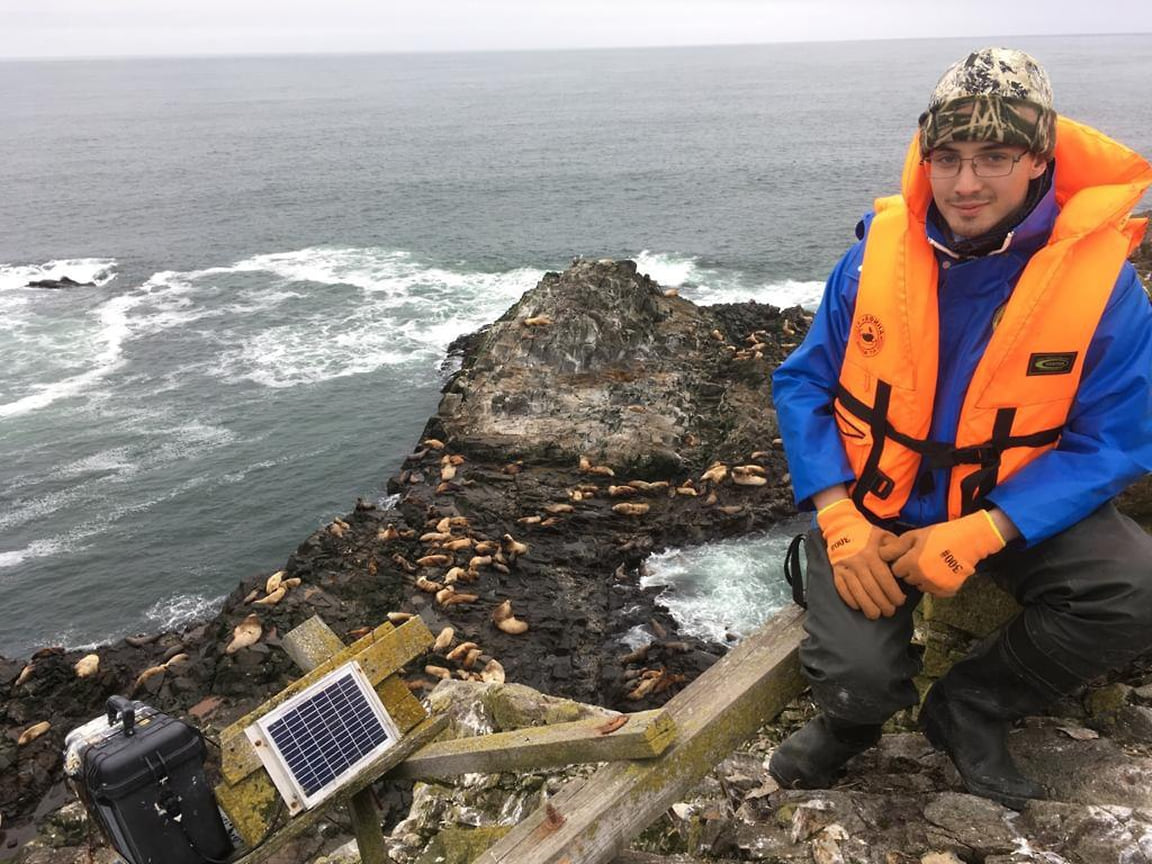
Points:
(865, 682)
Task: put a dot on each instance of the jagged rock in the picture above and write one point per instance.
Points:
(970, 823)
(1088, 772)
(62, 282)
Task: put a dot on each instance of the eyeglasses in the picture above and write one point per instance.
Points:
(943, 165)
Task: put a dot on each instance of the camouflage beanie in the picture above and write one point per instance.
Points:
(994, 94)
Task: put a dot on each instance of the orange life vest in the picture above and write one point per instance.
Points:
(1019, 397)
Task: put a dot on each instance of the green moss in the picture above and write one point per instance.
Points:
(461, 845)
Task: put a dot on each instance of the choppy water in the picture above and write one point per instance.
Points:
(282, 249)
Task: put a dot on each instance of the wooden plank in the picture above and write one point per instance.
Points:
(307, 820)
(380, 653)
(311, 643)
(591, 821)
(643, 736)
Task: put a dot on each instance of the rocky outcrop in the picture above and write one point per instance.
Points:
(581, 434)
(62, 282)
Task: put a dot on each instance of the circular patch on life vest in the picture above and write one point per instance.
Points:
(869, 335)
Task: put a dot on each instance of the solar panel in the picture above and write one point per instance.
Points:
(316, 741)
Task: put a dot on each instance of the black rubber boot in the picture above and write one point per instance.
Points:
(967, 714)
(814, 756)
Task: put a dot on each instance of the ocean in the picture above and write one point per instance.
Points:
(283, 247)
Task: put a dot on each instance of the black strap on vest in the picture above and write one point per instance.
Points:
(937, 454)
(872, 479)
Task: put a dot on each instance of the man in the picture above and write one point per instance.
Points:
(973, 392)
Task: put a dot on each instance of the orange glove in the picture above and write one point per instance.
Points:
(938, 559)
(862, 579)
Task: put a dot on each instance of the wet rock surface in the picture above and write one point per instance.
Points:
(582, 431)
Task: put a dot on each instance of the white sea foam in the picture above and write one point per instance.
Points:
(671, 271)
(352, 311)
(100, 271)
(106, 347)
(708, 286)
(731, 586)
(35, 549)
(179, 610)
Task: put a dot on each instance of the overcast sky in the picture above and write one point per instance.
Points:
(77, 28)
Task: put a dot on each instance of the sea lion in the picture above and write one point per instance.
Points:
(459, 598)
(758, 470)
(686, 491)
(399, 617)
(493, 673)
(403, 563)
(622, 491)
(507, 623)
(538, 321)
(456, 459)
(513, 547)
(556, 509)
(447, 472)
(147, 675)
(434, 560)
(479, 561)
(453, 574)
(291, 583)
(438, 672)
(251, 595)
(601, 471)
(461, 650)
(273, 581)
(458, 544)
(444, 593)
(33, 732)
(432, 443)
(471, 657)
(444, 640)
(428, 586)
(434, 537)
(25, 674)
(486, 547)
(388, 533)
(335, 530)
(718, 336)
(715, 474)
(273, 598)
(530, 520)
(749, 480)
(87, 666)
(626, 508)
(247, 632)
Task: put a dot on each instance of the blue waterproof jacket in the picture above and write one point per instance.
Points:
(1106, 444)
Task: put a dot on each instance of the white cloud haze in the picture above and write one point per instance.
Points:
(76, 28)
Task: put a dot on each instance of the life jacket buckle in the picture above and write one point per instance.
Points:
(981, 455)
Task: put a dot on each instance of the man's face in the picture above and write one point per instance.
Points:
(972, 204)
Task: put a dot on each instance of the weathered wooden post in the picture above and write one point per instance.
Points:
(591, 821)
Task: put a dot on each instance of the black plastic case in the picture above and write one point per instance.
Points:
(144, 779)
